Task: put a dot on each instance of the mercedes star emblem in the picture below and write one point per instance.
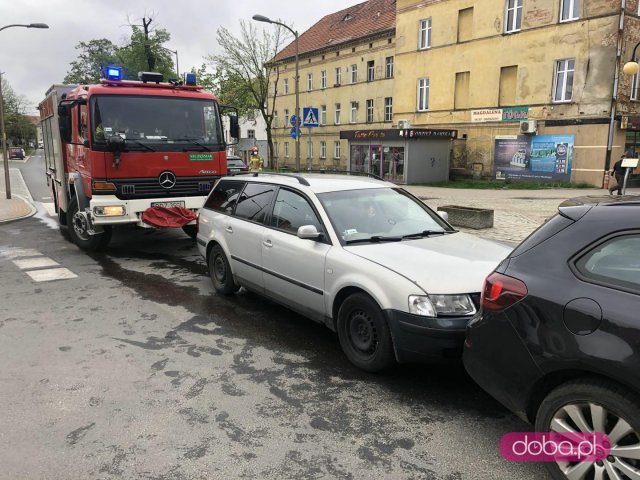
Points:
(167, 180)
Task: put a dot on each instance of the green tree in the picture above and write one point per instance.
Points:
(19, 127)
(244, 70)
(94, 56)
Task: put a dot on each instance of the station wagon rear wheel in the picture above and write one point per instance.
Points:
(220, 272)
(364, 334)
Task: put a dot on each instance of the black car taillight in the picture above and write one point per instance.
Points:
(500, 292)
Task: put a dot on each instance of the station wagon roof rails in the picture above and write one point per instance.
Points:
(347, 172)
(301, 180)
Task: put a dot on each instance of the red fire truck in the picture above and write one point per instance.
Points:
(131, 152)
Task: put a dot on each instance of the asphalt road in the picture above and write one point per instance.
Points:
(135, 368)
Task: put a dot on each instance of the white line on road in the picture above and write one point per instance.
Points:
(51, 274)
(39, 262)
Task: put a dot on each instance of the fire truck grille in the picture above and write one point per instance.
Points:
(133, 188)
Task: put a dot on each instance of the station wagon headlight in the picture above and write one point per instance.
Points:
(434, 305)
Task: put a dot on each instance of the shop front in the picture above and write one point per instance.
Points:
(406, 156)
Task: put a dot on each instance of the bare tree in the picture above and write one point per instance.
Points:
(249, 59)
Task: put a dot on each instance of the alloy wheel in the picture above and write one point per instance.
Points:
(623, 462)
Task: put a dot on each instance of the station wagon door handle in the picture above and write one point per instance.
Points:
(229, 230)
(267, 243)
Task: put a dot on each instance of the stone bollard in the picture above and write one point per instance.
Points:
(469, 217)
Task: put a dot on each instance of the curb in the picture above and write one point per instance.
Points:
(33, 211)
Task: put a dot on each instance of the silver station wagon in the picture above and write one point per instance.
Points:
(363, 256)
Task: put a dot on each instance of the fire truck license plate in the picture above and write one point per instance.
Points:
(167, 204)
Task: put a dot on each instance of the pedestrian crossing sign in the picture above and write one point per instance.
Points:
(310, 116)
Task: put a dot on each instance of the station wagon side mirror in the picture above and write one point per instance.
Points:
(443, 215)
(309, 232)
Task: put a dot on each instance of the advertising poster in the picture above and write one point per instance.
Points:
(536, 158)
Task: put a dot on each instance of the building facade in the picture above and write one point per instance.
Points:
(534, 87)
(346, 72)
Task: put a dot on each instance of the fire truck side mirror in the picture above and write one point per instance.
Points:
(234, 126)
(64, 112)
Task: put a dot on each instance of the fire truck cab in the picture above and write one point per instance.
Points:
(120, 151)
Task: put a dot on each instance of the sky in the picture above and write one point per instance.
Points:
(33, 59)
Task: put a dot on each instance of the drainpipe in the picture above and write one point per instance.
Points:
(614, 97)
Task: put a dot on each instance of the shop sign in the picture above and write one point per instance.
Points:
(515, 114)
(398, 134)
(486, 115)
(628, 122)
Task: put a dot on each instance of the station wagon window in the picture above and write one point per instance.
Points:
(224, 196)
(254, 202)
(291, 211)
(614, 262)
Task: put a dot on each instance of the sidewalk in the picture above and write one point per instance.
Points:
(21, 203)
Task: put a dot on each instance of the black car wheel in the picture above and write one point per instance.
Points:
(595, 407)
(364, 334)
(77, 230)
(220, 272)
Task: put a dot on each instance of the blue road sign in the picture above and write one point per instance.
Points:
(293, 133)
(310, 116)
(293, 121)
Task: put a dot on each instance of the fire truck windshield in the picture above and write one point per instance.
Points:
(154, 123)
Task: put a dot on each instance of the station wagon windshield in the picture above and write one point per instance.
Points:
(162, 123)
(380, 214)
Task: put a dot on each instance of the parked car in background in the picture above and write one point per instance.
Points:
(17, 152)
(236, 165)
(558, 340)
(362, 256)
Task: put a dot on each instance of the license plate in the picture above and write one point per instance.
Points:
(167, 204)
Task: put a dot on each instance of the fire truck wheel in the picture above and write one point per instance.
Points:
(78, 230)
(190, 230)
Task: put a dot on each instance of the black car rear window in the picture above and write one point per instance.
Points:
(555, 224)
(224, 195)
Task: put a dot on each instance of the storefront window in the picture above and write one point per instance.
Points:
(385, 161)
(393, 164)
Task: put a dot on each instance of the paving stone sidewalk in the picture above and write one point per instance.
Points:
(21, 204)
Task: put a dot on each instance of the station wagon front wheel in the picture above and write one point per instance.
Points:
(364, 334)
(220, 272)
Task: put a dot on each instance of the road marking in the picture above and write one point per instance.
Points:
(50, 208)
(51, 274)
(39, 262)
(15, 252)
(46, 198)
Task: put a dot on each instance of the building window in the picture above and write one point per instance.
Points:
(309, 150)
(370, 111)
(424, 34)
(354, 73)
(286, 149)
(371, 71)
(274, 121)
(309, 82)
(275, 149)
(323, 114)
(285, 87)
(388, 109)
(508, 85)
(275, 88)
(569, 10)
(563, 88)
(337, 114)
(286, 117)
(323, 149)
(323, 79)
(423, 94)
(338, 76)
(353, 114)
(461, 94)
(336, 149)
(388, 67)
(251, 134)
(465, 25)
(513, 18)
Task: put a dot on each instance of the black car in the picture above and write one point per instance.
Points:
(236, 165)
(558, 340)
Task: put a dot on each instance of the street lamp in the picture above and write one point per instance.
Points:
(262, 18)
(3, 133)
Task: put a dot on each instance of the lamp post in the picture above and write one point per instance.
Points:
(262, 18)
(630, 68)
(3, 133)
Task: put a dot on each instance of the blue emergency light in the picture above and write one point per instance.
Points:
(113, 73)
(190, 79)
